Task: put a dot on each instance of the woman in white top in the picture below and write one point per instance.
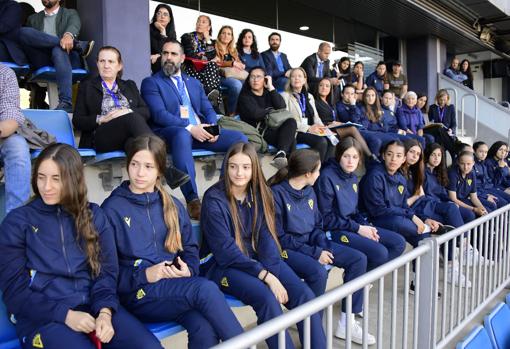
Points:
(301, 105)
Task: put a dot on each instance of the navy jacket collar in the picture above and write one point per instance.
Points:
(139, 199)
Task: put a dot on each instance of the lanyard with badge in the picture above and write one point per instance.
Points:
(111, 93)
(441, 113)
(199, 45)
(302, 105)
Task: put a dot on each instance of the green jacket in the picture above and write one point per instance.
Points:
(67, 21)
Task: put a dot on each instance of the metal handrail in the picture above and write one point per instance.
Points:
(462, 113)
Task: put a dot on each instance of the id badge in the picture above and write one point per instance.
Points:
(184, 112)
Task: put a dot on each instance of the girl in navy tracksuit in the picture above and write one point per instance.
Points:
(424, 205)
(497, 166)
(337, 194)
(58, 264)
(484, 183)
(436, 179)
(384, 196)
(306, 246)
(158, 254)
(462, 184)
(240, 240)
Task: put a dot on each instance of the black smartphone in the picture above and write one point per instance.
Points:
(213, 130)
(175, 263)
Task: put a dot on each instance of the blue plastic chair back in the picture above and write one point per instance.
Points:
(56, 122)
(477, 339)
(496, 324)
(8, 338)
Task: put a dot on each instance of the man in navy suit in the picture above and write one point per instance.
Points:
(317, 66)
(276, 62)
(179, 112)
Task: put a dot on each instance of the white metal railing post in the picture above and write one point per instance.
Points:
(427, 296)
(462, 113)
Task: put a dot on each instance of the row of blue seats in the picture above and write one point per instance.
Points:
(9, 340)
(43, 74)
(495, 334)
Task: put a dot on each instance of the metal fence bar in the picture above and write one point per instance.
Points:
(417, 286)
(281, 339)
(394, 294)
(405, 325)
(445, 290)
(452, 284)
(348, 306)
(380, 314)
(329, 327)
(366, 311)
(306, 334)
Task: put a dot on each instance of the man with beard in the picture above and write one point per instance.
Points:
(276, 62)
(180, 114)
(51, 39)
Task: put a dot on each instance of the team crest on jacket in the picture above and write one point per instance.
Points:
(284, 254)
(344, 239)
(288, 207)
(140, 294)
(128, 221)
(355, 187)
(401, 189)
(469, 181)
(224, 282)
(137, 263)
(37, 342)
(35, 229)
(310, 203)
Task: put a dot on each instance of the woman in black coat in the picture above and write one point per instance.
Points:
(109, 111)
(162, 28)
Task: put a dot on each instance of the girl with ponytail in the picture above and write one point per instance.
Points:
(240, 232)
(58, 264)
(158, 252)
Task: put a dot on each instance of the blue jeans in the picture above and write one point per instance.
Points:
(15, 155)
(233, 87)
(40, 47)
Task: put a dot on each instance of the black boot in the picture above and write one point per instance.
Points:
(175, 178)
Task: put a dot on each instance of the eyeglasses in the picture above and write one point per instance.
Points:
(162, 14)
(256, 77)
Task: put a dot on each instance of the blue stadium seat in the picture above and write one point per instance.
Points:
(508, 299)
(47, 74)
(57, 123)
(20, 70)
(477, 339)
(496, 324)
(8, 338)
(164, 329)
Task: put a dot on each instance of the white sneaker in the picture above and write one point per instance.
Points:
(474, 258)
(453, 277)
(356, 333)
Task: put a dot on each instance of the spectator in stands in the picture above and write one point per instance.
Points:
(356, 79)
(10, 17)
(316, 66)
(497, 165)
(14, 152)
(307, 249)
(383, 194)
(342, 71)
(397, 81)
(439, 216)
(258, 97)
(61, 295)
(162, 27)
(485, 185)
(341, 211)
(444, 115)
(200, 52)
(301, 105)
(421, 103)
(410, 119)
(276, 62)
(325, 105)
(453, 71)
(231, 67)
(169, 273)
(347, 110)
(465, 68)
(248, 51)
(378, 78)
(240, 230)
(436, 178)
(388, 101)
(180, 114)
(51, 38)
(462, 188)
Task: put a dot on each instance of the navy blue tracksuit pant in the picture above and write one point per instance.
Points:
(352, 261)
(195, 303)
(389, 246)
(250, 290)
(129, 334)
(402, 225)
(447, 213)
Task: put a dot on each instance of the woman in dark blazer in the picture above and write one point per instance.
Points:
(162, 28)
(443, 114)
(109, 111)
